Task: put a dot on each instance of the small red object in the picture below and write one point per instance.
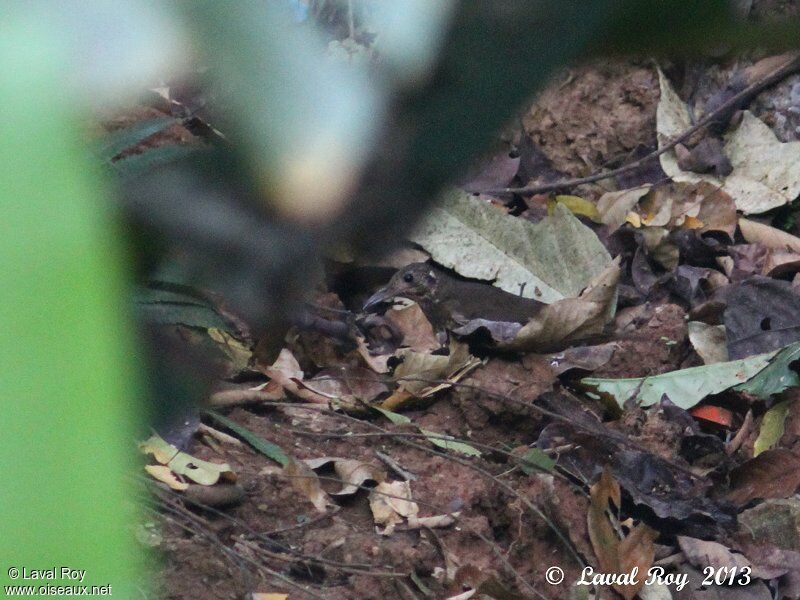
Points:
(713, 414)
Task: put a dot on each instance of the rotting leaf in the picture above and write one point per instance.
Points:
(553, 259)
(771, 474)
(703, 553)
(774, 523)
(762, 315)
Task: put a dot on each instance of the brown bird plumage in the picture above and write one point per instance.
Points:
(450, 302)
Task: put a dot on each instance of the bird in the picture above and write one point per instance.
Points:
(450, 302)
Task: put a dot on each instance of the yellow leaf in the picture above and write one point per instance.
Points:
(634, 219)
(180, 463)
(577, 205)
(693, 223)
(164, 475)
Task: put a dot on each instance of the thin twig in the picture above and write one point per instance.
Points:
(790, 66)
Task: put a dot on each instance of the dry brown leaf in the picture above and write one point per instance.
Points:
(417, 331)
(702, 553)
(636, 551)
(700, 206)
(347, 386)
(425, 374)
(708, 341)
(769, 237)
(570, 319)
(378, 362)
(617, 556)
(433, 522)
(771, 474)
(305, 481)
(605, 541)
(391, 503)
(615, 206)
(352, 473)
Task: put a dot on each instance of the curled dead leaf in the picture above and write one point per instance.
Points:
(352, 473)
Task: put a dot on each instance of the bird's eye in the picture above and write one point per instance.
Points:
(408, 278)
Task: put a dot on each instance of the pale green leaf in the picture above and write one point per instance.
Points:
(535, 460)
(394, 417)
(553, 259)
(446, 442)
(772, 427)
(685, 387)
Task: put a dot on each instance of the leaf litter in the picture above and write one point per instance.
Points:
(566, 435)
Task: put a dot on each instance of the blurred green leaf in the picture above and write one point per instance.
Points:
(138, 164)
(176, 307)
(66, 353)
(117, 141)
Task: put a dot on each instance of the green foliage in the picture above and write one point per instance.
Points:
(65, 346)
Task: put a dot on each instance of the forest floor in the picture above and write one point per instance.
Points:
(545, 473)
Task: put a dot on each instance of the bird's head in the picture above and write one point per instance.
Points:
(417, 282)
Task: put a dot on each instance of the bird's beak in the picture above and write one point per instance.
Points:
(382, 296)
